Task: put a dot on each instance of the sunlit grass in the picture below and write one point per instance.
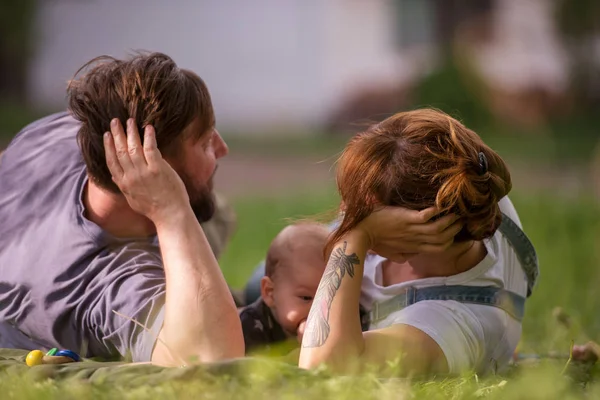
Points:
(271, 381)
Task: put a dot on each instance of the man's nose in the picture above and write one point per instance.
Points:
(221, 148)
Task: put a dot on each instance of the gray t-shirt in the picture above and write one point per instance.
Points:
(62, 276)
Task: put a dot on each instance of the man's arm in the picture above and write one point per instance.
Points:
(201, 322)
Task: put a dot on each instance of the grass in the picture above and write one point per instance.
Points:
(541, 383)
(312, 386)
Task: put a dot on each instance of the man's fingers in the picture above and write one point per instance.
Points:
(153, 156)
(111, 156)
(134, 145)
(120, 142)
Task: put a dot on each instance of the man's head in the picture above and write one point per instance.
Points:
(293, 270)
(153, 90)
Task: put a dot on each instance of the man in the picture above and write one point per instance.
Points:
(82, 266)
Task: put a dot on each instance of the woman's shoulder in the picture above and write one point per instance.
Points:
(508, 208)
(371, 264)
(372, 261)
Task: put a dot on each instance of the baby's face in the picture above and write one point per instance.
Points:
(294, 287)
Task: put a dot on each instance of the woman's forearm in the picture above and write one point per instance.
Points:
(333, 333)
(201, 321)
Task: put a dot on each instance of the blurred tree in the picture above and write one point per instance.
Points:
(457, 89)
(456, 86)
(435, 22)
(579, 24)
(16, 23)
(451, 14)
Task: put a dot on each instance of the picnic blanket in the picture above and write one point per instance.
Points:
(12, 362)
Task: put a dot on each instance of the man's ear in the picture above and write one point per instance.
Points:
(266, 291)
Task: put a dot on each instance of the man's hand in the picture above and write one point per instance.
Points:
(151, 187)
(395, 230)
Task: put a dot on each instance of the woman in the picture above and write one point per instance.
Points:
(464, 290)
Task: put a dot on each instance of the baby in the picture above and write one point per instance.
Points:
(293, 270)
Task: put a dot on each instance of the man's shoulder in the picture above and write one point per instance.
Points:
(42, 150)
(116, 257)
(41, 173)
(56, 125)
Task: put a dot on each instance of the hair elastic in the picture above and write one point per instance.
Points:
(483, 163)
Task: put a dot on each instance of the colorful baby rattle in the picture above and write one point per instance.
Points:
(54, 356)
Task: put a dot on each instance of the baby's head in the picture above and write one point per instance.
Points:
(293, 270)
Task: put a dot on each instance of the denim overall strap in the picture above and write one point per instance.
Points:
(506, 300)
(523, 248)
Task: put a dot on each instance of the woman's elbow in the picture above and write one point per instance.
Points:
(336, 360)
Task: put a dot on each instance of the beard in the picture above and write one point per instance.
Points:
(202, 199)
(203, 205)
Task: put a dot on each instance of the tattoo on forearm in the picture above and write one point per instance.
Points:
(317, 323)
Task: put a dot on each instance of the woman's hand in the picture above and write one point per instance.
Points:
(395, 230)
(151, 187)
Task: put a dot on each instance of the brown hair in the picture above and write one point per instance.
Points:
(418, 159)
(149, 88)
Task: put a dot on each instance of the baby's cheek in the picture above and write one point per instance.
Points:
(293, 316)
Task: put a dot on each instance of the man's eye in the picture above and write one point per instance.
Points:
(209, 141)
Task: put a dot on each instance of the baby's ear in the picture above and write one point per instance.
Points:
(266, 291)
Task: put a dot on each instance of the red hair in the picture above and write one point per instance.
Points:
(418, 159)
